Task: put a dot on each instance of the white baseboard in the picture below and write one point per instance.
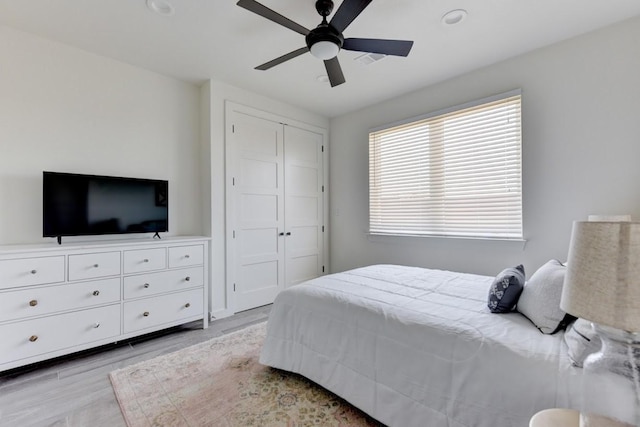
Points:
(219, 314)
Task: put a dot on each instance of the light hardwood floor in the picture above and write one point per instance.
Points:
(75, 391)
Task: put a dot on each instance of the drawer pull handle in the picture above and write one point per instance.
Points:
(145, 314)
(187, 278)
(96, 293)
(187, 305)
(146, 285)
(145, 260)
(187, 256)
(96, 325)
(95, 266)
(33, 302)
(34, 271)
(33, 338)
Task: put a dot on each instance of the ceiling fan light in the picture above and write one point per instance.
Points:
(324, 50)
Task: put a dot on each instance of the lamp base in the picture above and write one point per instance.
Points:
(612, 381)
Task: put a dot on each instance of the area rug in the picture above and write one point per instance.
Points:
(221, 383)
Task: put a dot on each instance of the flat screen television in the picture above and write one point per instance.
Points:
(89, 205)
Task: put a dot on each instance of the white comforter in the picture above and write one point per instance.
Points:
(418, 347)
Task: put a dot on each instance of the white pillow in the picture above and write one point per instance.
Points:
(581, 341)
(540, 298)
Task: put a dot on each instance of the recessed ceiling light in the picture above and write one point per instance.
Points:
(453, 17)
(323, 78)
(161, 7)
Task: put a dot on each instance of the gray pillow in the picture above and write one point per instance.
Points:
(540, 299)
(505, 289)
(581, 341)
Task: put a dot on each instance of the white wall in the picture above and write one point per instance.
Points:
(581, 153)
(63, 109)
(219, 93)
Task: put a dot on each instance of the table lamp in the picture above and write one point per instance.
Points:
(602, 285)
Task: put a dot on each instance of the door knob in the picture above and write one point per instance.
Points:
(288, 233)
(282, 233)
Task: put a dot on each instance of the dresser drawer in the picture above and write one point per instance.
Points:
(155, 311)
(94, 265)
(185, 256)
(40, 301)
(46, 334)
(154, 283)
(142, 260)
(31, 271)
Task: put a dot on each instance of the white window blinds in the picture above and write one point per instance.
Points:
(451, 174)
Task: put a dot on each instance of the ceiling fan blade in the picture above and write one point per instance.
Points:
(347, 12)
(386, 47)
(265, 12)
(282, 59)
(334, 71)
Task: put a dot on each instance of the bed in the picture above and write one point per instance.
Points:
(419, 347)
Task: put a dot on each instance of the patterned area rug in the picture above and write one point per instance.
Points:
(221, 383)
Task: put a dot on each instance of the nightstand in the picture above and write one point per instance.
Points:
(556, 418)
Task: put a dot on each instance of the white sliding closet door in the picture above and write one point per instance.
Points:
(275, 206)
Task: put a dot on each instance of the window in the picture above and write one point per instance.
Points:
(455, 173)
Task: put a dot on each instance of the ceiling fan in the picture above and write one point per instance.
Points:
(325, 41)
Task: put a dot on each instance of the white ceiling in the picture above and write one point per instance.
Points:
(215, 39)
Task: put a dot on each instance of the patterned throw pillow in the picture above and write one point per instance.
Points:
(506, 289)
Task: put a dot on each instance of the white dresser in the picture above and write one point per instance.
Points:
(58, 299)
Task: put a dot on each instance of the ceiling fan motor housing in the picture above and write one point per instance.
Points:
(324, 33)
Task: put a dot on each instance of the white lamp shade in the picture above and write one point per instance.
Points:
(324, 50)
(602, 283)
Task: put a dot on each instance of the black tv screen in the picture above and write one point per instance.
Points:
(78, 205)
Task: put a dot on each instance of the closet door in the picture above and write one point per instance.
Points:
(303, 172)
(257, 247)
(275, 206)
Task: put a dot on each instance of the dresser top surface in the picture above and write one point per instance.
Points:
(96, 244)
